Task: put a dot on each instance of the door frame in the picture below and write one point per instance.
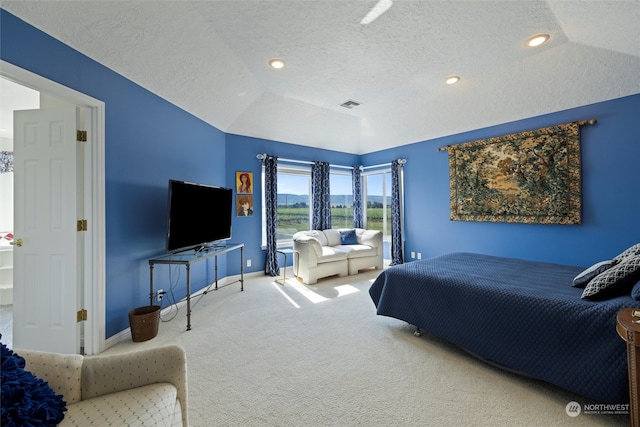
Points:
(94, 255)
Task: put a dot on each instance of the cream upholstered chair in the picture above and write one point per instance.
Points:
(339, 252)
(143, 388)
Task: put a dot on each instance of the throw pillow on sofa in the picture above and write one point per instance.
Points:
(27, 399)
(348, 237)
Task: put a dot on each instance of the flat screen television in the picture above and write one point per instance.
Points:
(199, 215)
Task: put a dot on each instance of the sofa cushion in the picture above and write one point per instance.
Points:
(306, 235)
(371, 238)
(301, 238)
(150, 405)
(319, 235)
(330, 253)
(62, 372)
(333, 237)
(357, 251)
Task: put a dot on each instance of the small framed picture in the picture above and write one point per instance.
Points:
(244, 182)
(244, 205)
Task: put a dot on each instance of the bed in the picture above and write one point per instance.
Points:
(525, 316)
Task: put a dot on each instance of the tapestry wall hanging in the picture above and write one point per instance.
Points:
(528, 177)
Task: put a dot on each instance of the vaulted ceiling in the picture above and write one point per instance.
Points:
(211, 59)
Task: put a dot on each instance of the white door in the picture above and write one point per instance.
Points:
(46, 292)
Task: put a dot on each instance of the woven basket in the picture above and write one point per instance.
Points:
(144, 322)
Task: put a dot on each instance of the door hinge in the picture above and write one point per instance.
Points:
(81, 136)
(82, 315)
(82, 225)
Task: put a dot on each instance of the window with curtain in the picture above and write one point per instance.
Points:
(341, 199)
(295, 202)
(377, 201)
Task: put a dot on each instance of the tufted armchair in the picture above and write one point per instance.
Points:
(144, 388)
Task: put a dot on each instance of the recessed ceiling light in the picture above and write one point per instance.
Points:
(452, 80)
(537, 40)
(276, 63)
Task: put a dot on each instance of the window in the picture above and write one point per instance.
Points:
(294, 201)
(341, 199)
(377, 201)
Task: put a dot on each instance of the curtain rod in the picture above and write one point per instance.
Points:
(580, 123)
(305, 162)
(401, 161)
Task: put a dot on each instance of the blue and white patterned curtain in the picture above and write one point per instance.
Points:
(321, 215)
(6, 161)
(271, 211)
(397, 256)
(358, 218)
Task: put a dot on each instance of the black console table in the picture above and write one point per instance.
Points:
(187, 258)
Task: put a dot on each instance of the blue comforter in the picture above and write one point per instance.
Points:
(522, 315)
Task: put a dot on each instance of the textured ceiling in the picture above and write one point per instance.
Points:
(211, 59)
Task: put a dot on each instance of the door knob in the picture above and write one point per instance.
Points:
(17, 242)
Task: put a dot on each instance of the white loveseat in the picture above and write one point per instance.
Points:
(336, 252)
(142, 388)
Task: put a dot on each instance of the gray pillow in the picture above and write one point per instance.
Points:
(581, 280)
(614, 281)
(633, 250)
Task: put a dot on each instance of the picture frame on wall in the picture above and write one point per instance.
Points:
(244, 182)
(244, 205)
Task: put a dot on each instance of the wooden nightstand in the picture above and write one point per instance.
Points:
(628, 327)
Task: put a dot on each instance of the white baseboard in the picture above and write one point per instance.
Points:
(125, 335)
(121, 336)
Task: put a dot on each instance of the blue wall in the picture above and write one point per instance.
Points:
(149, 141)
(610, 193)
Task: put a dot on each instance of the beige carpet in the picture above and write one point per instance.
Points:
(319, 355)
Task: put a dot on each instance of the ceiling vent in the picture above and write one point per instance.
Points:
(350, 104)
